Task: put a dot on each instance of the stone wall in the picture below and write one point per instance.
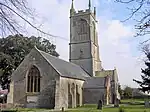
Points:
(95, 89)
(31, 101)
(63, 97)
(10, 95)
(114, 83)
(84, 49)
(114, 87)
(93, 95)
(45, 99)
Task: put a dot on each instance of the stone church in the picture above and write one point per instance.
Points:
(45, 81)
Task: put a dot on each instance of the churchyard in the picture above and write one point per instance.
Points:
(130, 105)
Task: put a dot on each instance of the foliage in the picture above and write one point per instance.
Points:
(140, 11)
(127, 92)
(145, 83)
(120, 90)
(13, 49)
(121, 110)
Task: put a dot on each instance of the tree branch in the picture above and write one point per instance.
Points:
(21, 6)
(141, 11)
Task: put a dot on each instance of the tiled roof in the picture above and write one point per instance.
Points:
(95, 82)
(65, 69)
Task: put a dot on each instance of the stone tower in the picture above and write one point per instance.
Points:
(84, 48)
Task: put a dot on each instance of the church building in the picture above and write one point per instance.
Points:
(45, 81)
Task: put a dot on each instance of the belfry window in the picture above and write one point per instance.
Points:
(33, 80)
(82, 27)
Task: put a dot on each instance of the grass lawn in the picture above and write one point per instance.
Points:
(132, 100)
(130, 105)
(129, 108)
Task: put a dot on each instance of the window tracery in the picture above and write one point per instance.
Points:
(82, 26)
(33, 80)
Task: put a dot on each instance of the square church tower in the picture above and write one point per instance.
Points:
(84, 48)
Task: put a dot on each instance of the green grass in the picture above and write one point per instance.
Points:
(129, 105)
(25, 110)
(129, 108)
(133, 100)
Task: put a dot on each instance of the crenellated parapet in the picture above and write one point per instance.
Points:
(88, 11)
(84, 12)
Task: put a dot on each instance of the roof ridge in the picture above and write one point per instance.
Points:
(85, 71)
(58, 58)
(63, 67)
(46, 58)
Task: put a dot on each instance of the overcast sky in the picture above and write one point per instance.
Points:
(118, 47)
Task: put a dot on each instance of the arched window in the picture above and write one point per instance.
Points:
(33, 80)
(82, 26)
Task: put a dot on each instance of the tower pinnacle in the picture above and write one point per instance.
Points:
(72, 10)
(72, 5)
(95, 11)
(89, 4)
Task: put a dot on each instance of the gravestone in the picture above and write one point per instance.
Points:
(147, 103)
(62, 109)
(99, 105)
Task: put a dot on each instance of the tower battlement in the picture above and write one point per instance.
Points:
(73, 12)
(84, 12)
(81, 12)
(84, 48)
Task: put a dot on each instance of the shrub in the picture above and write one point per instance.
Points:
(121, 110)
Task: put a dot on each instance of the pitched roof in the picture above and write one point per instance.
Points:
(95, 82)
(64, 68)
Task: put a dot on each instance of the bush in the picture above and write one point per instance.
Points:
(121, 110)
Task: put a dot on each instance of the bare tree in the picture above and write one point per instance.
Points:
(11, 12)
(140, 11)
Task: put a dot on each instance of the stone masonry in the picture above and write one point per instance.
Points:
(45, 81)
